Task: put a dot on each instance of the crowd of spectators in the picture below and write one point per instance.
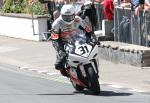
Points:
(108, 7)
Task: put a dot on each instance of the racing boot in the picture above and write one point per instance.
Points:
(61, 69)
(64, 72)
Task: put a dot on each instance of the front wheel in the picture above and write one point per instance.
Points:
(93, 82)
(76, 86)
(79, 76)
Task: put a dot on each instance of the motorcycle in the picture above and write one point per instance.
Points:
(82, 63)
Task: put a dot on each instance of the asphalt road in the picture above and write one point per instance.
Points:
(21, 86)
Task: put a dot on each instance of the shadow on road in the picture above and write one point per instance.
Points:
(112, 93)
(86, 92)
(104, 93)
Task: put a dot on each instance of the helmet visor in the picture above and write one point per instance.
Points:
(68, 18)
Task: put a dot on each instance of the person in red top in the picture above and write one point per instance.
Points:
(109, 9)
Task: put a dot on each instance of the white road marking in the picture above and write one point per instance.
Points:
(63, 79)
(137, 90)
(23, 68)
(42, 71)
(53, 73)
(116, 86)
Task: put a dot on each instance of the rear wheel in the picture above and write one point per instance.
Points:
(93, 82)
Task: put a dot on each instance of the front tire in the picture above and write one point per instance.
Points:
(76, 86)
(93, 82)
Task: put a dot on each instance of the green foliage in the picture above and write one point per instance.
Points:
(22, 6)
(37, 8)
(7, 5)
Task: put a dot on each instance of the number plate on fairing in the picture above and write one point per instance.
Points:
(83, 50)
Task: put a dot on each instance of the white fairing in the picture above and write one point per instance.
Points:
(83, 59)
(81, 52)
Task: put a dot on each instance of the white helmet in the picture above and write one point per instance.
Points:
(68, 13)
(87, 4)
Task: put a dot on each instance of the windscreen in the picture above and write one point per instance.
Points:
(78, 38)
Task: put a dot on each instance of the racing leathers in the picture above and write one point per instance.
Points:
(61, 32)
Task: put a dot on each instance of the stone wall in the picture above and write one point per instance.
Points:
(125, 53)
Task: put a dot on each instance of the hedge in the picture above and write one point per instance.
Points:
(23, 6)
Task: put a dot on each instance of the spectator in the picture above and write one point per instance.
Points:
(125, 3)
(51, 8)
(99, 1)
(137, 6)
(147, 5)
(100, 13)
(88, 13)
(56, 13)
(109, 9)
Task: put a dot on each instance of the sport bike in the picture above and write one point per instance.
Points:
(82, 63)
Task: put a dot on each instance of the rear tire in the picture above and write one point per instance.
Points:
(93, 82)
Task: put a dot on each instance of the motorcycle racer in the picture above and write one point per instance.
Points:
(62, 29)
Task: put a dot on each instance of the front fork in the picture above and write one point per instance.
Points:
(79, 74)
(94, 64)
(76, 76)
